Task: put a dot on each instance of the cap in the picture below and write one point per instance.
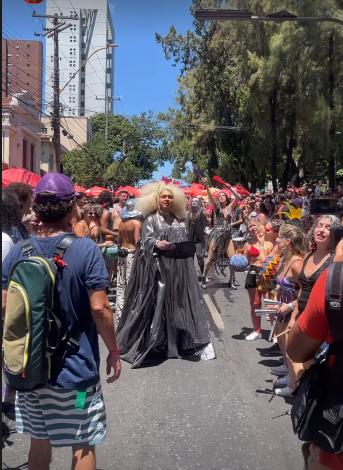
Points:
(130, 211)
(54, 188)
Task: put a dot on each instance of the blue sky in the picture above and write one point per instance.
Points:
(143, 78)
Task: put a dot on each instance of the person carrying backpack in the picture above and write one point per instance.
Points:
(59, 399)
(317, 412)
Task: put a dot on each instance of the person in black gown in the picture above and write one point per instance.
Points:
(163, 314)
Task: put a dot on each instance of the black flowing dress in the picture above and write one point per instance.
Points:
(163, 312)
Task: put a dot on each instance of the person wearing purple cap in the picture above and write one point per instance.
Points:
(68, 411)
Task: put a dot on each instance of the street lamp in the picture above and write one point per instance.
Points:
(205, 14)
(108, 45)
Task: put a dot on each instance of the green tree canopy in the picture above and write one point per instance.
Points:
(133, 152)
(259, 101)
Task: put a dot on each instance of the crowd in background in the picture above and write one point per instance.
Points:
(283, 244)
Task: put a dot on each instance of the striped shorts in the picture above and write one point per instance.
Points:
(50, 413)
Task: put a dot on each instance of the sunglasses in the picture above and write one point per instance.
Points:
(91, 213)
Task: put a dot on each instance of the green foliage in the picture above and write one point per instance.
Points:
(133, 152)
(259, 101)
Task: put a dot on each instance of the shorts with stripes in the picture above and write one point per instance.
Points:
(50, 413)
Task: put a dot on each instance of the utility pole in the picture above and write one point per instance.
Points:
(107, 99)
(58, 27)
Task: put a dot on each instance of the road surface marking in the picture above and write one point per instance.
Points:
(214, 312)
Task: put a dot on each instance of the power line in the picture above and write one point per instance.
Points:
(41, 112)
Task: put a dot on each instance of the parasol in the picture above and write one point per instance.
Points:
(133, 192)
(19, 175)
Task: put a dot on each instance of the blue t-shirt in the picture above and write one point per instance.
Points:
(85, 271)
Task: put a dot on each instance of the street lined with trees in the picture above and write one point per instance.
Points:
(261, 101)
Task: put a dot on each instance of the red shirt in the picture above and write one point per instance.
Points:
(313, 322)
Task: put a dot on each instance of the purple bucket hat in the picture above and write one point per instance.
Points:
(54, 188)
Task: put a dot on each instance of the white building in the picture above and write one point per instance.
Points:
(85, 95)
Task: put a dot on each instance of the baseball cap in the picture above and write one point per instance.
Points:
(54, 188)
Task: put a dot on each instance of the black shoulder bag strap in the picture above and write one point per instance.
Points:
(26, 247)
(64, 244)
(334, 300)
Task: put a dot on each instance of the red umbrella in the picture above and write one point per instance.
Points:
(135, 192)
(195, 190)
(34, 2)
(95, 191)
(19, 175)
(241, 191)
(79, 189)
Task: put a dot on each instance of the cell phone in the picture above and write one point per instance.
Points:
(325, 206)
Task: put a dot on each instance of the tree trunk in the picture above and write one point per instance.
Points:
(212, 164)
(332, 124)
(290, 165)
(274, 153)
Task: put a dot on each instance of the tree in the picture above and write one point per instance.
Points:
(279, 85)
(133, 152)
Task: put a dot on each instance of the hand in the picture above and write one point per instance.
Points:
(164, 245)
(284, 309)
(113, 362)
(108, 243)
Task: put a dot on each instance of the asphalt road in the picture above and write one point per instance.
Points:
(183, 415)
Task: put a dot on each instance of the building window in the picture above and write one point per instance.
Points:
(27, 45)
(17, 46)
(32, 155)
(25, 154)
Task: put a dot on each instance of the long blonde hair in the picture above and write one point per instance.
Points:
(149, 200)
(297, 238)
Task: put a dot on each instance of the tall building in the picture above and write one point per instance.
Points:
(22, 69)
(85, 94)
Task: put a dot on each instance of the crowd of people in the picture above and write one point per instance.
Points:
(138, 266)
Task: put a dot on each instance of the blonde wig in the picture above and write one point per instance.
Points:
(148, 202)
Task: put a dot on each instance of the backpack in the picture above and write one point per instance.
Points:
(36, 338)
(317, 412)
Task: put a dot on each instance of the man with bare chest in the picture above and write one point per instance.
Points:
(129, 233)
(116, 211)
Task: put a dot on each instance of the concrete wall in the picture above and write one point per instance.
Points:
(79, 127)
(18, 125)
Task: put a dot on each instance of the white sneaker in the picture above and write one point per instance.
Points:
(281, 381)
(208, 352)
(254, 335)
(284, 392)
(279, 370)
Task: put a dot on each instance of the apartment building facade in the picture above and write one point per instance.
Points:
(22, 63)
(86, 93)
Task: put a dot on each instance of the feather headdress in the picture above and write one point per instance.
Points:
(293, 213)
